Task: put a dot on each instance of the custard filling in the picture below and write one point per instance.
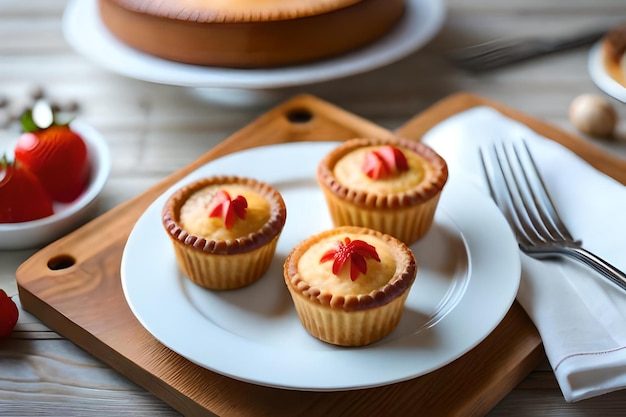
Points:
(195, 219)
(348, 170)
(320, 275)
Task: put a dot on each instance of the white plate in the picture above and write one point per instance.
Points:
(469, 271)
(600, 77)
(85, 32)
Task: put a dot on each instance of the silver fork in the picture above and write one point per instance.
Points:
(518, 189)
(500, 52)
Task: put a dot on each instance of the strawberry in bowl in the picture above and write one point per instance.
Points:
(58, 157)
(67, 164)
(22, 197)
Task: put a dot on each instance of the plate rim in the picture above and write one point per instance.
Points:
(80, 17)
(600, 77)
(488, 324)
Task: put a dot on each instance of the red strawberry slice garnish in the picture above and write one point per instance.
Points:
(228, 209)
(354, 252)
(383, 162)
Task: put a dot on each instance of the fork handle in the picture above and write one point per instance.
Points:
(607, 270)
(615, 275)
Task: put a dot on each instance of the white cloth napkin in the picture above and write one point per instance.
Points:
(580, 316)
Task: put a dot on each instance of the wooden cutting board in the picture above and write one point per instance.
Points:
(73, 285)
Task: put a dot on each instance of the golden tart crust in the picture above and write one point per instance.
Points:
(276, 216)
(614, 53)
(402, 205)
(340, 311)
(208, 253)
(249, 33)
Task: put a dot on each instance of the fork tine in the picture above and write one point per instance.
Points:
(495, 53)
(519, 190)
(500, 191)
(482, 57)
(545, 207)
(526, 203)
(489, 59)
(512, 194)
(477, 58)
(483, 49)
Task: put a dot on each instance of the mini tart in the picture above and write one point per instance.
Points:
(614, 53)
(402, 205)
(337, 310)
(207, 252)
(249, 33)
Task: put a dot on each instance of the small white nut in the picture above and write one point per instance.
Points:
(593, 115)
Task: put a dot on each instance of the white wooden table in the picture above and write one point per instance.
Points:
(154, 129)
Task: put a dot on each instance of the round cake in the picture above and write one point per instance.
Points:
(224, 229)
(614, 53)
(390, 185)
(349, 284)
(249, 33)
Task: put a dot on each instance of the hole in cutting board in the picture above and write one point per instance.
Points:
(299, 115)
(61, 262)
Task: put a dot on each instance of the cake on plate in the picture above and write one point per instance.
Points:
(349, 285)
(614, 53)
(249, 33)
(224, 229)
(391, 185)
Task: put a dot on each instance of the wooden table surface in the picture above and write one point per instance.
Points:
(155, 129)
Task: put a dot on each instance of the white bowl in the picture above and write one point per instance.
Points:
(66, 217)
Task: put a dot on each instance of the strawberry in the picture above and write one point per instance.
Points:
(56, 155)
(228, 208)
(384, 162)
(22, 197)
(8, 314)
(356, 252)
